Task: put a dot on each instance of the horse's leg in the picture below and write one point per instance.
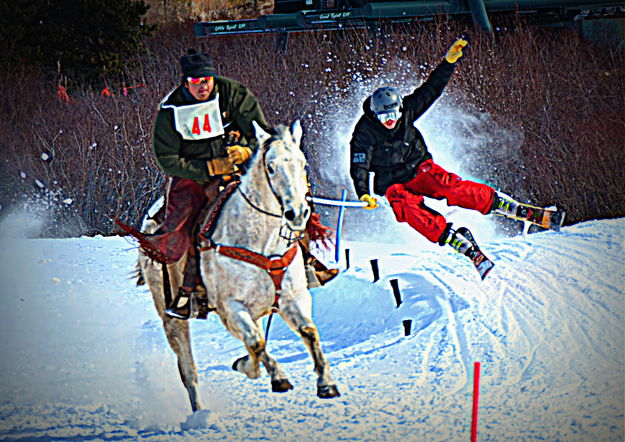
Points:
(297, 314)
(239, 322)
(279, 381)
(176, 330)
(178, 335)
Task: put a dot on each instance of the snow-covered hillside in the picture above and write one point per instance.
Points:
(84, 356)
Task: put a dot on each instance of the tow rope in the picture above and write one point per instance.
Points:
(331, 202)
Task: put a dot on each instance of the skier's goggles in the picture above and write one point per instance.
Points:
(388, 116)
(199, 80)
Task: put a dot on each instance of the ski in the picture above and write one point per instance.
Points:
(482, 263)
(546, 218)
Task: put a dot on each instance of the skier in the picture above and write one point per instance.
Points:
(202, 139)
(386, 142)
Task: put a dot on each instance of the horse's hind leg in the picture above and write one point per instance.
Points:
(177, 332)
(299, 319)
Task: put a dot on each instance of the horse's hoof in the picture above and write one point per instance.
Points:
(281, 386)
(236, 363)
(240, 365)
(327, 391)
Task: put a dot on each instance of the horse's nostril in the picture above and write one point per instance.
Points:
(289, 214)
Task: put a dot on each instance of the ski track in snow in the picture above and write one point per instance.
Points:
(84, 355)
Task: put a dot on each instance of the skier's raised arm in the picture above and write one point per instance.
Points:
(425, 95)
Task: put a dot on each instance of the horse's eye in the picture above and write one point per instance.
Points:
(270, 169)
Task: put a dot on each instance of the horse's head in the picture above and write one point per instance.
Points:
(285, 168)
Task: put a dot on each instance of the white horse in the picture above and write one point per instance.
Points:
(269, 202)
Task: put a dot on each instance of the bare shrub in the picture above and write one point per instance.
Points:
(558, 96)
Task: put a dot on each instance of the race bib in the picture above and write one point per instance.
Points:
(199, 121)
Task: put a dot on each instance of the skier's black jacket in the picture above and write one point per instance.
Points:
(394, 155)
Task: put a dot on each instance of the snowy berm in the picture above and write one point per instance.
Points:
(84, 356)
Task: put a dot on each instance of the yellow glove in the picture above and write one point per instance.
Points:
(455, 52)
(239, 154)
(372, 203)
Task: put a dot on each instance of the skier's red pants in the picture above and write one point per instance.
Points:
(433, 181)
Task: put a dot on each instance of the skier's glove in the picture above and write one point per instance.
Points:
(455, 51)
(239, 154)
(372, 203)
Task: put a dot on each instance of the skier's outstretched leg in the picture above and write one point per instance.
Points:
(435, 182)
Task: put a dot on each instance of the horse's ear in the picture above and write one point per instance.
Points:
(261, 135)
(296, 131)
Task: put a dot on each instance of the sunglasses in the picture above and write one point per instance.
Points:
(388, 116)
(199, 80)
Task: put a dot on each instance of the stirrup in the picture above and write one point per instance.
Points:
(181, 306)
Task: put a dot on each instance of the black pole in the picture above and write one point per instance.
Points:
(346, 259)
(375, 270)
(407, 325)
(396, 292)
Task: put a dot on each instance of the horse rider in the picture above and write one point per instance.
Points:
(385, 141)
(202, 137)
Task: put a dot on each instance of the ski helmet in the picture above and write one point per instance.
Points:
(386, 100)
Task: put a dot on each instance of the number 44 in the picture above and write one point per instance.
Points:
(206, 127)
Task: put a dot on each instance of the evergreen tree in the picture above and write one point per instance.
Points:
(87, 38)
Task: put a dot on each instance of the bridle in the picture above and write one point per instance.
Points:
(285, 231)
(274, 265)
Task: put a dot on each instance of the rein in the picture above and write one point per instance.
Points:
(255, 207)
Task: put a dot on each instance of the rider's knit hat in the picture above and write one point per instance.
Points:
(196, 65)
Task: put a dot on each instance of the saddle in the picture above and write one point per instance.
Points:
(185, 239)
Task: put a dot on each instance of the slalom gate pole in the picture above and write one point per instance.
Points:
(339, 227)
(476, 395)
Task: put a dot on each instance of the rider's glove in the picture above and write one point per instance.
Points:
(239, 154)
(372, 203)
(455, 51)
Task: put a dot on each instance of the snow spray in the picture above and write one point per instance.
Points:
(457, 136)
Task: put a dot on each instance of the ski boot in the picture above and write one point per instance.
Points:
(462, 241)
(504, 205)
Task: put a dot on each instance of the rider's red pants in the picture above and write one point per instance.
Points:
(185, 199)
(433, 181)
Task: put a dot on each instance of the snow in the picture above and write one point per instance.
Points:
(84, 356)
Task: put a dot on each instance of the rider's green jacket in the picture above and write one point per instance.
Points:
(394, 155)
(188, 133)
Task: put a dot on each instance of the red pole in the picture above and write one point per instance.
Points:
(476, 395)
